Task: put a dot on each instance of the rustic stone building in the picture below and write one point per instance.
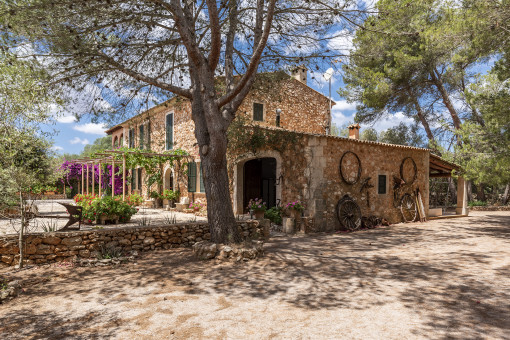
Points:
(282, 153)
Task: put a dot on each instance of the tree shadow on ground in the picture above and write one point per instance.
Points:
(456, 290)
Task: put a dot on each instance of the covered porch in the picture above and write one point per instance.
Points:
(440, 191)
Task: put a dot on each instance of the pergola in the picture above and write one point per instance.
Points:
(108, 157)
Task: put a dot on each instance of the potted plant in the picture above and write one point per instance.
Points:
(295, 209)
(157, 199)
(258, 207)
(196, 206)
(170, 197)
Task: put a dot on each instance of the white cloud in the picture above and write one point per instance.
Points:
(57, 148)
(91, 128)
(340, 118)
(78, 140)
(66, 119)
(391, 121)
(343, 105)
(342, 42)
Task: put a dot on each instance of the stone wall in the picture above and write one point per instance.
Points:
(66, 246)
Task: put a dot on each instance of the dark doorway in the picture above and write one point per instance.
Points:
(260, 181)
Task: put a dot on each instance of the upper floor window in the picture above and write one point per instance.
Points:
(258, 112)
(131, 138)
(169, 131)
(141, 135)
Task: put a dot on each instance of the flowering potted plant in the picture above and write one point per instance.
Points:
(134, 199)
(170, 197)
(258, 207)
(195, 206)
(295, 209)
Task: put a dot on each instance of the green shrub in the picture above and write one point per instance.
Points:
(171, 195)
(477, 204)
(274, 215)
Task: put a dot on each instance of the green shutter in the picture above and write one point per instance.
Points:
(140, 179)
(132, 179)
(170, 131)
(192, 177)
(149, 135)
(202, 189)
(141, 137)
(258, 112)
(131, 138)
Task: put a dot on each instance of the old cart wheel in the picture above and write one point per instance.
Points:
(408, 170)
(346, 170)
(408, 208)
(349, 214)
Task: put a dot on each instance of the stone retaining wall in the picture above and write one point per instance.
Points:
(491, 208)
(69, 246)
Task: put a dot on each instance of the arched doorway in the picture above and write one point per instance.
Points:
(260, 181)
(169, 179)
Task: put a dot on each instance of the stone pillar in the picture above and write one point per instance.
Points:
(462, 208)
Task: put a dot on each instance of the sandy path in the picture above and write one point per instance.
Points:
(435, 280)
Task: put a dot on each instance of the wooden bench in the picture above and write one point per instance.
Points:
(75, 215)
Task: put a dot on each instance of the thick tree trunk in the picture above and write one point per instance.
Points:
(210, 131)
(421, 117)
(469, 191)
(480, 192)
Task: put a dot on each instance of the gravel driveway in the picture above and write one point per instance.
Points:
(435, 280)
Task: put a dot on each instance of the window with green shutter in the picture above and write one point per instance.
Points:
(149, 135)
(133, 179)
(202, 189)
(258, 112)
(139, 179)
(140, 142)
(192, 177)
(170, 131)
(131, 136)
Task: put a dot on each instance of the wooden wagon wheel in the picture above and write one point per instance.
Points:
(408, 208)
(346, 180)
(349, 213)
(408, 179)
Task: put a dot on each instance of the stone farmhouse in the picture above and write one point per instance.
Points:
(302, 163)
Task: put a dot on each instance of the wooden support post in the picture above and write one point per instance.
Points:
(87, 180)
(100, 182)
(462, 208)
(93, 180)
(113, 177)
(123, 177)
(82, 181)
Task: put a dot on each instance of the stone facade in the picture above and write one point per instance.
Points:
(302, 110)
(67, 246)
(307, 169)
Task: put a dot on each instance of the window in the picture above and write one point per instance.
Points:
(202, 188)
(131, 137)
(258, 112)
(133, 179)
(139, 177)
(381, 185)
(170, 131)
(192, 177)
(140, 143)
(149, 135)
(121, 141)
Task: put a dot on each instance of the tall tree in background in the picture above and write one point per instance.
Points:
(147, 49)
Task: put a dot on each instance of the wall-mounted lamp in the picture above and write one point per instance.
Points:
(278, 112)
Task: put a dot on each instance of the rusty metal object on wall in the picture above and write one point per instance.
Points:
(344, 178)
(348, 213)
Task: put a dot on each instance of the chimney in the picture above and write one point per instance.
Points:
(354, 131)
(299, 73)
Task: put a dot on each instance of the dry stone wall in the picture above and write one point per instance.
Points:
(66, 246)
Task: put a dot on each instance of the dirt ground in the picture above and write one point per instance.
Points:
(435, 280)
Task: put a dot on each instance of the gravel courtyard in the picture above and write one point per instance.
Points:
(435, 280)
